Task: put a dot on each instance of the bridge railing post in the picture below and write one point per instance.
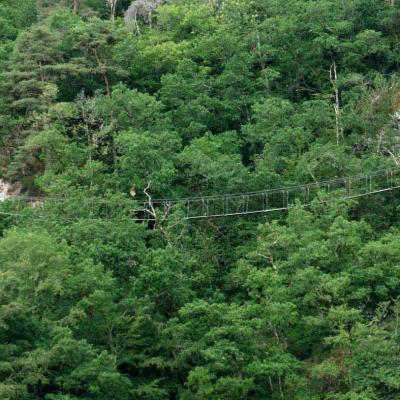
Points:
(265, 201)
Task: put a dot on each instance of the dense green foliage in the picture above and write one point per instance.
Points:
(206, 96)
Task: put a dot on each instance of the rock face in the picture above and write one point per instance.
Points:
(7, 190)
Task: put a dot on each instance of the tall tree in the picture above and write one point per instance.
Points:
(113, 7)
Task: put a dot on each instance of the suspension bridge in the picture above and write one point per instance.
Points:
(236, 204)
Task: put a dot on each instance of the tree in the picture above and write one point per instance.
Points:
(113, 6)
(143, 9)
(95, 40)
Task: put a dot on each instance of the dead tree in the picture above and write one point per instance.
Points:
(143, 9)
(75, 6)
(158, 217)
(113, 8)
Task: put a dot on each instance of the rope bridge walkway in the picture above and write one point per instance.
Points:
(226, 205)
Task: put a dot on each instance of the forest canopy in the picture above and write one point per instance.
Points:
(103, 102)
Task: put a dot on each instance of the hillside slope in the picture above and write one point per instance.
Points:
(103, 102)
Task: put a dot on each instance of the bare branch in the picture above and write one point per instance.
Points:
(151, 209)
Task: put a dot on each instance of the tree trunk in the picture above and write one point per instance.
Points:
(281, 387)
(136, 24)
(336, 106)
(75, 6)
(103, 71)
(113, 6)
